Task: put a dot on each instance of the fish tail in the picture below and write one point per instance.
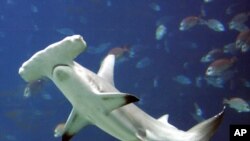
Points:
(205, 130)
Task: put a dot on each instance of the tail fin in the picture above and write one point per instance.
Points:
(205, 130)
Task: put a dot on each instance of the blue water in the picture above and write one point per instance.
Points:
(28, 26)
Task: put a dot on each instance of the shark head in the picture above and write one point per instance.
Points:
(41, 64)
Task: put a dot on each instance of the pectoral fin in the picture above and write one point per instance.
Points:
(73, 125)
(116, 100)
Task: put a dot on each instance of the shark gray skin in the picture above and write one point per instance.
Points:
(96, 101)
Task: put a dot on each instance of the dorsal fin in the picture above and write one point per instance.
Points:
(106, 70)
(164, 119)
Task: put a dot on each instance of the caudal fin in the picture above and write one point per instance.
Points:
(205, 130)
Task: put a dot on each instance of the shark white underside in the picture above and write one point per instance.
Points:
(96, 101)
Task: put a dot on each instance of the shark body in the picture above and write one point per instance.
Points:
(96, 101)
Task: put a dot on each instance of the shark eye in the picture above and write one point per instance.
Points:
(57, 66)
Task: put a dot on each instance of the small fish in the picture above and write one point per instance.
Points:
(9, 137)
(10, 2)
(33, 87)
(211, 55)
(238, 104)
(220, 80)
(46, 96)
(34, 8)
(215, 25)
(155, 6)
(239, 27)
(156, 81)
(144, 62)
(239, 18)
(243, 41)
(217, 67)
(198, 110)
(238, 22)
(217, 82)
(161, 30)
(246, 83)
(182, 79)
(189, 22)
(207, 1)
(109, 3)
(198, 115)
(230, 48)
(119, 51)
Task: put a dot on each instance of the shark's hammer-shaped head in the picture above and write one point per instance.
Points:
(43, 62)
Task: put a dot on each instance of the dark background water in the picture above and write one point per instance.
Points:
(28, 26)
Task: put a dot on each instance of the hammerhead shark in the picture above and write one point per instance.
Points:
(96, 100)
